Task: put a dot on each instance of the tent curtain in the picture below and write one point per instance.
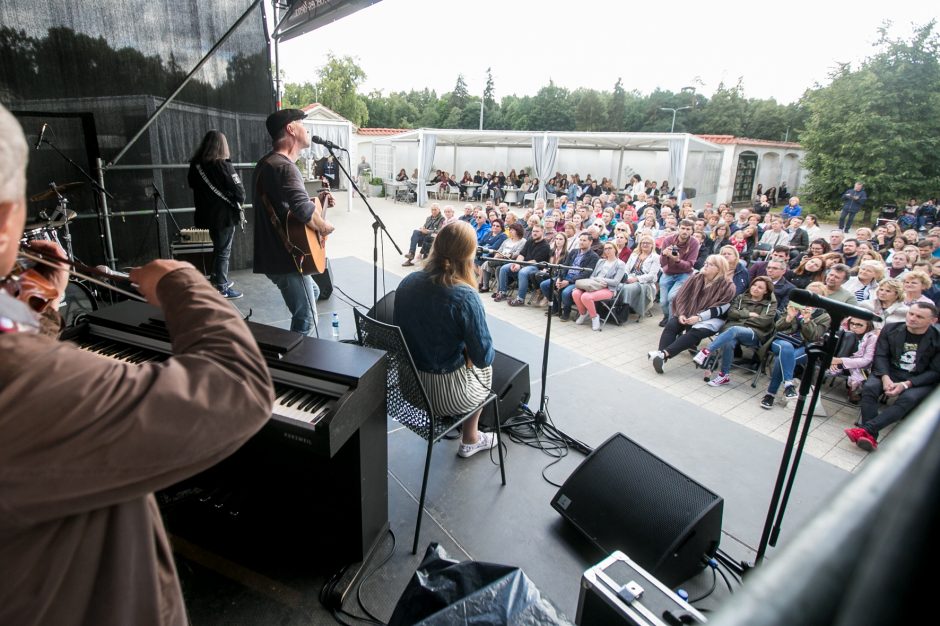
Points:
(544, 155)
(425, 163)
(339, 135)
(677, 156)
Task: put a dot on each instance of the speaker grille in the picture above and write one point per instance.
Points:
(625, 498)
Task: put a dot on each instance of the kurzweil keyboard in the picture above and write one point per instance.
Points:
(320, 462)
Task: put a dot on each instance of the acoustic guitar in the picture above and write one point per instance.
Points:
(308, 245)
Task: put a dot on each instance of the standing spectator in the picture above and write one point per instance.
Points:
(854, 198)
(364, 174)
(679, 253)
(906, 367)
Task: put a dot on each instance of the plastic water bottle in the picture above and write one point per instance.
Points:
(335, 325)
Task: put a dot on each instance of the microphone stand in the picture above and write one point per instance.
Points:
(540, 418)
(786, 475)
(157, 199)
(377, 224)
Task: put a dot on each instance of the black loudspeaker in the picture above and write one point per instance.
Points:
(623, 497)
(324, 281)
(511, 384)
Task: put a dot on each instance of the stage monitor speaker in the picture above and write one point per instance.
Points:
(324, 281)
(623, 497)
(511, 384)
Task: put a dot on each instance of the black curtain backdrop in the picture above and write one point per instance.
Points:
(95, 72)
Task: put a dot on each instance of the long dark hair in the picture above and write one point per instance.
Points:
(213, 147)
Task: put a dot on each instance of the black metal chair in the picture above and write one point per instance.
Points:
(408, 401)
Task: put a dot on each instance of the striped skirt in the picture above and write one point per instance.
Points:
(457, 392)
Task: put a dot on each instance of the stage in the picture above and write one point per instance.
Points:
(473, 517)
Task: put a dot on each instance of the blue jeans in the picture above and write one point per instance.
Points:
(420, 239)
(788, 357)
(728, 339)
(300, 295)
(523, 277)
(669, 285)
(221, 252)
(564, 294)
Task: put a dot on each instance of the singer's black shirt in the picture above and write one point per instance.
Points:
(277, 178)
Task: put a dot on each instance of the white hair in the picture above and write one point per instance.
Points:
(13, 158)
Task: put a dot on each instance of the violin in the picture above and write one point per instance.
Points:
(29, 286)
(100, 275)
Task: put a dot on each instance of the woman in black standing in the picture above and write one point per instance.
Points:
(218, 194)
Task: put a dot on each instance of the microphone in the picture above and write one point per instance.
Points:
(838, 309)
(326, 143)
(42, 133)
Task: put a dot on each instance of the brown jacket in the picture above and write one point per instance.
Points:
(84, 441)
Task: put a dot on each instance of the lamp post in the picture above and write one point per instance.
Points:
(674, 111)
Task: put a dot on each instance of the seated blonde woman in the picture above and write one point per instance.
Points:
(865, 283)
(888, 303)
(609, 270)
(642, 277)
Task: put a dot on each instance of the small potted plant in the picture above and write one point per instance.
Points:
(376, 187)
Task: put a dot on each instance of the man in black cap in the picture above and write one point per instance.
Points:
(279, 190)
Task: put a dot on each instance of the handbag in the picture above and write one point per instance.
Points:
(796, 341)
(590, 284)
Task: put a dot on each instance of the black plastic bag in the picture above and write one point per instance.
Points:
(443, 591)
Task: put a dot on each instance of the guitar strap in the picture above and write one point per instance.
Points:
(296, 254)
(212, 188)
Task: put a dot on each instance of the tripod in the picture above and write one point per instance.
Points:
(539, 420)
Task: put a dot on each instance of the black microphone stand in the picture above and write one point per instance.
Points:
(377, 224)
(157, 199)
(540, 418)
(786, 475)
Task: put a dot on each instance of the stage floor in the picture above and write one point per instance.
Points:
(473, 517)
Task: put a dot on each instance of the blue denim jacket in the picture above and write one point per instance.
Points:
(438, 322)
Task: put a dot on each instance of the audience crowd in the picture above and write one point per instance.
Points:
(722, 279)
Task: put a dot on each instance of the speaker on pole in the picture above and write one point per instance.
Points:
(623, 497)
(511, 384)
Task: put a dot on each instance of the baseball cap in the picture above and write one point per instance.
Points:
(279, 119)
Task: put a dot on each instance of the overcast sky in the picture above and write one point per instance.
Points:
(778, 49)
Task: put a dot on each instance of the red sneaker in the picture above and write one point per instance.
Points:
(867, 443)
(854, 433)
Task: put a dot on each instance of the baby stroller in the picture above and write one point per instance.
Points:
(889, 213)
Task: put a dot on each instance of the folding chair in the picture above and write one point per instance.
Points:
(614, 308)
(408, 401)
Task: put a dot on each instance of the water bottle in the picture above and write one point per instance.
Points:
(335, 325)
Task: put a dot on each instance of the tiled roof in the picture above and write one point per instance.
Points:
(731, 139)
(375, 132)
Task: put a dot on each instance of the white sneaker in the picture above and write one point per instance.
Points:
(718, 381)
(485, 442)
(582, 318)
(596, 323)
(701, 357)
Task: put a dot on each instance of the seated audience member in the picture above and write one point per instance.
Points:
(719, 237)
(865, 283)
(741, 222)
(812, 228)
(559, 251)
(679, 253)
(799, 238)
(811, 270)
(888, 303)
(750, 322)
(794, 331)
(759, 268)
(610, 270)
(850, 252)
(468, 215)
(698, 311)
(582, 257)
(535, 249)
(739, 242)
(915, 283)
(836, 237)
(424, 236)
(762, 205)
(836, 278)
(776, 272)
(793, 208)
(597, 245)
(934, 292)
(402, 176)
(622, 243)
(510, 249)
(449, 216)
(493, 239)
(445, 328)
(861, 358)
(702, 250)
(906, 367)
(752, 239)
(772, 239)
(737, 269)
(642, 274)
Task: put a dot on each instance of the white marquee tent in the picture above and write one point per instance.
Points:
(691, 162)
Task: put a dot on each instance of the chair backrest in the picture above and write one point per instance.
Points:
(407, 400)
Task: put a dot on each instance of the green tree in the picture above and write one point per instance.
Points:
(340, 78)
(590, 113)
(460, 95)
(552, 109)
(617, 109)
(879, 124)
(298, 95)
(725, 113)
